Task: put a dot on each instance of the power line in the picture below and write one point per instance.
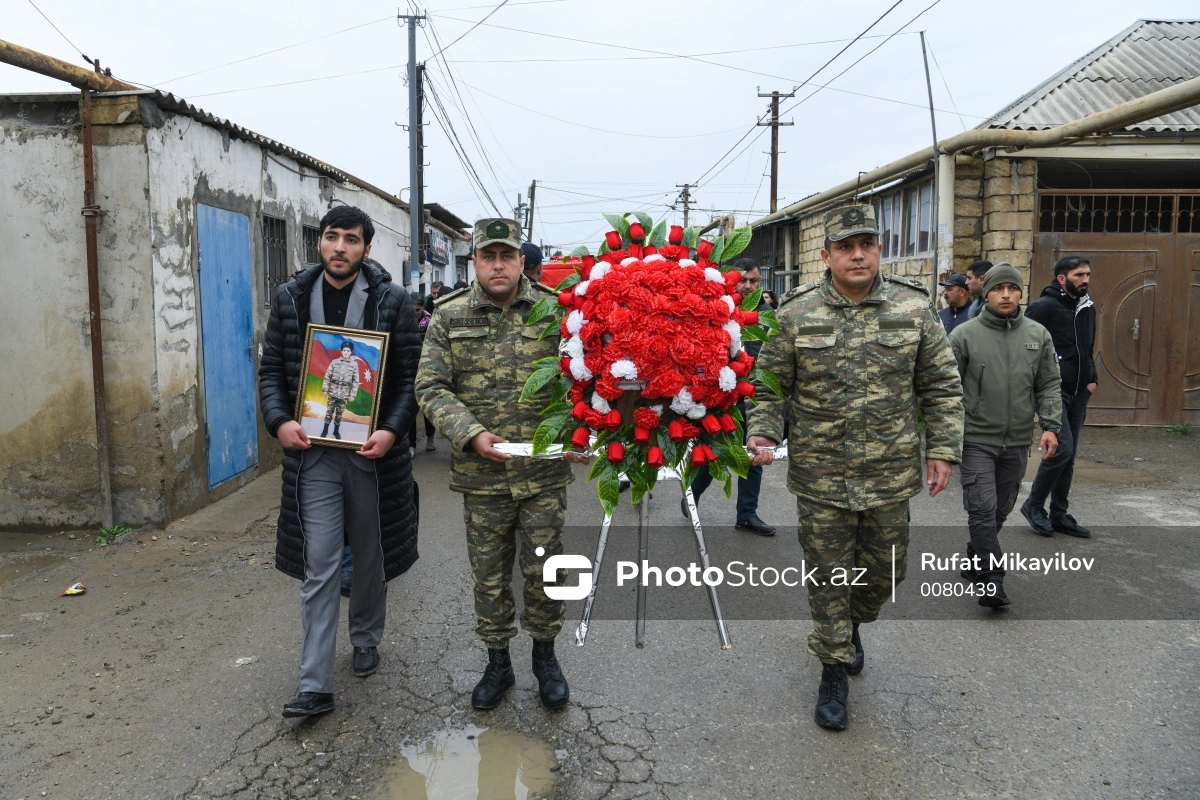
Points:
(526, 3)
(60, 33)
(503, 3)
(276, 50)
(943, 77)
(456, 143)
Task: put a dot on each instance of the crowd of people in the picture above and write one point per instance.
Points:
(860, 354)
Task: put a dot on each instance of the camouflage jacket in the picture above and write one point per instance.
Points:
(341, 379)
(854, 376)
(476, 360)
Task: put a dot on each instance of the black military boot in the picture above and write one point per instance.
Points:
(832, 711)
(997, 598)
(495, 682)
(325, 430)
(856, 666)
(552, 686)
(336, 433)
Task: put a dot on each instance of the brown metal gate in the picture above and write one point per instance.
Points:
(1144, 248)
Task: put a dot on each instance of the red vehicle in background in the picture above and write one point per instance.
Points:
(554, 270)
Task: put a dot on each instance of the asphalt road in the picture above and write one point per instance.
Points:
(135, 689)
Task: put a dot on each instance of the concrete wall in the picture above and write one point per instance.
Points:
(1009, 198)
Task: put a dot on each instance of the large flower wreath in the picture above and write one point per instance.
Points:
(652, 360)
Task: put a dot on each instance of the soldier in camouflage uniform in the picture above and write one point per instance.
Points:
(340, 386)
(858, 353)
(478, 354)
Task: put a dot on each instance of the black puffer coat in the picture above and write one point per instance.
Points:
(1072, 324)
(389, 308)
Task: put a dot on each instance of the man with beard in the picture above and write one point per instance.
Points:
(333, 495)
(1066, 310)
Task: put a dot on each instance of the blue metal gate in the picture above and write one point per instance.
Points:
(227, 342)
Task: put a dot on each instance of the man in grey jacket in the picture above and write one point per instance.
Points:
(1008, 370)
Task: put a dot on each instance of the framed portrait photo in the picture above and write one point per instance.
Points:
(341, 376)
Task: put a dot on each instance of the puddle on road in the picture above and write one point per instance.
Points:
(472, 764)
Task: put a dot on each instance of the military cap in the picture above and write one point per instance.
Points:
(843, 222)
(493, 229)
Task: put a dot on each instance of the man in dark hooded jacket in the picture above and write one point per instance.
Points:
(330, 494)
(1066, 310)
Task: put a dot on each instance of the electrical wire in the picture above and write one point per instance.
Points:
(944, 83)
(60, 33)
(452, 135)
(526, 3)
(503, 3)
(760, 185)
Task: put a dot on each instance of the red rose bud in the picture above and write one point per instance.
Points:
(580, 439)
(710, 424)
(616, 452)
(637, 233)
(635, 251)
(613, 239)
(732, 278)
(567, 298)
(589, 262)
(728, 424)
(699, 457)
(746, 358)
(579, 411)
(641, 435)
(704, 248)
(749, 318)
(675, 431)
(736, 298)
(676, 235)
(745, 388)
(654, 457)
(708, 451)
(649, 250)
(612, 420)
(564, 365)
(739, 368)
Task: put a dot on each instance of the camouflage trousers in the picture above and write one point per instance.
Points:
(499, 528)
(839, 544)
(334, 409)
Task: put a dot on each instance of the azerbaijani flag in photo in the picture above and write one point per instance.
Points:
(328, 346)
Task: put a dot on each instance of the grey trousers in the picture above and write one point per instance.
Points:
(991, 481)
(339, 502)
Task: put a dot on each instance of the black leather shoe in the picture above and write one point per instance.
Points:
(552, 686)
(347, 582)
(366, 661)
(1067, 524)
(496, 680)
(832, 710)
(996, 599)
(309, 704)
(755, 525)
(856, 666)
(1037, 519)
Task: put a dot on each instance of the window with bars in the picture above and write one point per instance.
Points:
(905, 219)
(312, 242)
(274, 254)
(1117, 213)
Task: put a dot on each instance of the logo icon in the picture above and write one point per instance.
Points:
(852, 217)
(569, 561)
(497, 230)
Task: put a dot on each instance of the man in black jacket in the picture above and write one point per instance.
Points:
(332, 495)
(1066, 310)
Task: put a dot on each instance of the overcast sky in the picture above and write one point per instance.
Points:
(584, 96)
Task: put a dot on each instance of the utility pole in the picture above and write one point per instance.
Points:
(532, 193)
(417, 194)
(415, 212)
(685, 197)
(519, 210)
(934, 199)
(774, 125)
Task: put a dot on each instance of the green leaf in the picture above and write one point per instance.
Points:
(548, 361)
(738, 458)
(560, 389)
(582, 250)
(736, 413)
(541, 309)
(753, 333)
(537, 381)
(767, 317)
(728, 487)
(550, 329)
(567, 283)
(646, 220)
(690, 236)
(638, 484)
(658, 236)
(546, 435)
(557, 407)
(619, 224)
(768, 379)
(603, 249)
(718, 253)
(609, 489)
(751, 301)
(736, 242)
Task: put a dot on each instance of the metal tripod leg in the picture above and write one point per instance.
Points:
(582, 631)
(643, 557)
(702, 549)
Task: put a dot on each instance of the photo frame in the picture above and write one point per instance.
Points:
(337, 402)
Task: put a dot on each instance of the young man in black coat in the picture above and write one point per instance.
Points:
(332, 495)
(1066, 310)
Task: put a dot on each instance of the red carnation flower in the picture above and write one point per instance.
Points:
(580, 439)
(690, 431)
(654, 457)
(704, 248)
(594, 419)
(728, 424)
(576, 393)
(637, 233)
(579, 411)
(613, 239)
(616, 452)
(739, 368)
(732, 278)
(736, 298)
(641, 435)
(646, 418)
(711, 425)
(649, 250)
(675, 236)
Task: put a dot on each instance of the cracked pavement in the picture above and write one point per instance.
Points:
(167, 678)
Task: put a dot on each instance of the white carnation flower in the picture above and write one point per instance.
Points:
(599, 270)
(655, 257)
(579, 370)
(657, 409)
(697, 411)
(600, 404)
(628, 261)
(726, 379)
(575, 322)
(624, 368)
(682, 402)
(735, 337)
(574, 347)
(581, 288)
(714, 275)
(686, 262)
(728, 301)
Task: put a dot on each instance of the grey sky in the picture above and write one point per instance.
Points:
(989, 54)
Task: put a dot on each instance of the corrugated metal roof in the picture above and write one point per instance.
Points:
(1148, 56)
